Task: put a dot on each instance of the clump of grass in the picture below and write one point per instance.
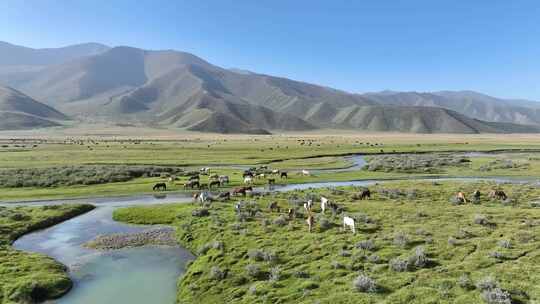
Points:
(487, 283)
(401, 239)
(465, 282)
(275, 274)
(363, 283)
(216, 273)
(496, 296)
(337, 265)
(505, 244)
(366, 245)
(253, 271)
(419, 258)
(280, 221)
(324, 223)
(481, 219)
(200, 212)
(399, 265)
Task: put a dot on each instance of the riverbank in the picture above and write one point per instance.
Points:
(32, 277)
(262, 256)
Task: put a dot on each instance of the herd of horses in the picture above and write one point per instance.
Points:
(215, 180)
(493, 194)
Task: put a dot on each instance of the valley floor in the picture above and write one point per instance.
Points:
(413, 245)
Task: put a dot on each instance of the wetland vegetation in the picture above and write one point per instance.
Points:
(414, 242)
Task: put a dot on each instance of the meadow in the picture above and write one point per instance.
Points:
(31, 277)
(414, 244)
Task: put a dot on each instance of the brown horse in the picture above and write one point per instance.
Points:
(274, 206)
(461, 197)
(192, 184)
(498, 194)
(241, 190)
(366, 194)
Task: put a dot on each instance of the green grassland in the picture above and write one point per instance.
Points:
(290, 265)
(29, 277)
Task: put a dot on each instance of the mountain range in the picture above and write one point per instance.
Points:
(95, 83)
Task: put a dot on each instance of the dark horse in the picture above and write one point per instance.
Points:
(366, 194)
(160, 186)
(214, 183)
(283, 175)
(192, 184)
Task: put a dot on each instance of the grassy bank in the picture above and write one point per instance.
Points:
(29, 277)
(412, 246)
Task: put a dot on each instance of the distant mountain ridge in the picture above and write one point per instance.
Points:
(18, 111)
(181, 90)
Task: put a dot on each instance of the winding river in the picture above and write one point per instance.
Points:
(137, 275)
(132, 275)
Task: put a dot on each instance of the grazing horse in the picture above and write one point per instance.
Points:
(310, 221)
(499, 194)
(271, 181)
(291, 213)
(213, 176)
(224, 196)
(160, 186)
(324, 203)
(334, 208)
(223, 179)
(275, 172)
(204, 170)
(476, 195)
(274, 206)
(194, 177)
(248, 180)
(283, 175)
(305, 173)
(241, 190)
(203, 197)
(247, 173)
(192, 184)
(261, 176)
(461, 197)
(214, 183)
(365, 194)
(349, 222)
(308, 205)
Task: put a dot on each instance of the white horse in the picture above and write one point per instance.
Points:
(324, 203)
(306, 172)
(248, 180)
(349, 222)
(223, 179)
(203, 197)
(308, 205)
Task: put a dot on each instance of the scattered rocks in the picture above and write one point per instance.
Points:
(164, 236)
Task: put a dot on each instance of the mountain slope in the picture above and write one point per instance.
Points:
(18, 111)
(177, 89)
(417, 119)
(14, 55)
(469, 103)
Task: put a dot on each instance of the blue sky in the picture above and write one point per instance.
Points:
(490, 46)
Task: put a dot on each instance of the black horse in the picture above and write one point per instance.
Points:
(160, 186)
(214, 183)
(283, 175)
